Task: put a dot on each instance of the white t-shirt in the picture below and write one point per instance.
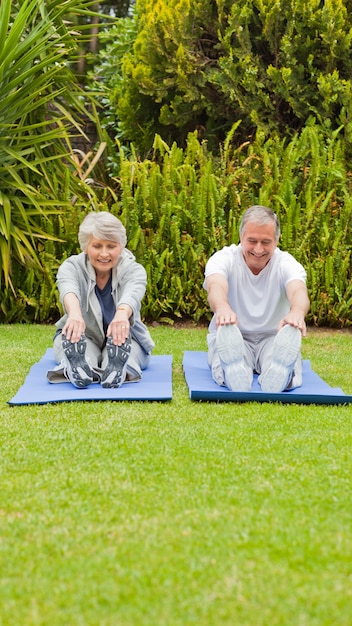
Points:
(259, 301)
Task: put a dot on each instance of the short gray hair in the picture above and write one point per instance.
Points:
(101, 225)
(260, 215)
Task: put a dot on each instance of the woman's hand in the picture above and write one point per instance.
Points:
(119, 327)
(74, 328)
(75, 324)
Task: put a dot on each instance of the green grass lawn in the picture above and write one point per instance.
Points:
(176, 513)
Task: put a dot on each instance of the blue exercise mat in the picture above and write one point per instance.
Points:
(156, 384)
(202, 387)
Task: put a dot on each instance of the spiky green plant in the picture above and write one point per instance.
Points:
(41, 104)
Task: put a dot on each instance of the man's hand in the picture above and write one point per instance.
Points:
(225, 315)
(217, 288)
(296, 319)
(297, 296)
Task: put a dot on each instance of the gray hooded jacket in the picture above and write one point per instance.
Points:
(76, 275)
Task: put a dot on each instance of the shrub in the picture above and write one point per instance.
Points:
(181, 65)
(182, 204)
(41, 106)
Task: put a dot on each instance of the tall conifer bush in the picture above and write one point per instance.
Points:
(190, 64)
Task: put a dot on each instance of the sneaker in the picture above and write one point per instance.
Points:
(287, 346)
(115, 371)
(230, 347)
(76, 367)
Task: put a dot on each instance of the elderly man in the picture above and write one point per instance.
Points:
(259, 298)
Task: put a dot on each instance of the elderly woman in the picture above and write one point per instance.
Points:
(101, 336)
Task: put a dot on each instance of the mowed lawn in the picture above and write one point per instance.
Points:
(176, 513)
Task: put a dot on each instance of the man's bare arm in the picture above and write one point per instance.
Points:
(298, 298)
(217, 289)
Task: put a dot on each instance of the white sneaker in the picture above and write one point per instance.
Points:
(230, 347)
(287, 346)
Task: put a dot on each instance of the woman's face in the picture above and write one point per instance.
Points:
(103, 254)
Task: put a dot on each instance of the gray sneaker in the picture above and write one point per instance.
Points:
(76, 366)
(287, 346)
(115, 371)
(230, 347)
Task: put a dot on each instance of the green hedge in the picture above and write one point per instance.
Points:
(181, 205)
(179, 65)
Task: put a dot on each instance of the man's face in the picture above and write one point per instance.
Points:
(258, 243)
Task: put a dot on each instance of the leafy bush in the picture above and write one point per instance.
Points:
(181, 65)
(41, 106)
(174, 210)
(182, 204)
(171, 67)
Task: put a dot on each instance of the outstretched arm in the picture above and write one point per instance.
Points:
(297, 295)
(75, 324)
(217, 289)
(119, 327)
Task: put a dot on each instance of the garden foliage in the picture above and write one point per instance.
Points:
(41, 107)
(250, 72)
(181, 205)
(180, 65)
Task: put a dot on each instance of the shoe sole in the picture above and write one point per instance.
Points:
(78, 370)
(287, 345)
(230, 347)
(114, 374)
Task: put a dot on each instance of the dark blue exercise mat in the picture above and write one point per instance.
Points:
(156, 384)
(202, 387)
